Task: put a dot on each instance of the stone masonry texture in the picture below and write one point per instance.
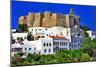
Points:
(49, 19)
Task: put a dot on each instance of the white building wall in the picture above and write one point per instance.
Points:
(48, 46)
(53, 31)
(16, 35)
(37, 46)
(37, 30)
(16, 46)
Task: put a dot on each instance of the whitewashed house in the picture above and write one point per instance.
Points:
(49, 40)
(41, 46)
(41, 32)
(19, 35)
(18, 48)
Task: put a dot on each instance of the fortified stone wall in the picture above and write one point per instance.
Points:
(48, 19)
(30, 19)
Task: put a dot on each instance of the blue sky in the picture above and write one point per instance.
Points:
(21, 8)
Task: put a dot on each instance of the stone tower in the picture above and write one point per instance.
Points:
(72, 20)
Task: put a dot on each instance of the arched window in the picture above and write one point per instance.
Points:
(30, 48)
(47, 44)
(38, 36)
(42, 36)
(44, 44)
(50, 44)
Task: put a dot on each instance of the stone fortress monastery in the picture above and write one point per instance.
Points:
(48, 19)
(51, 32)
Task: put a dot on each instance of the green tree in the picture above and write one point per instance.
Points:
(26, 63)
(86, 34)
(89, 51)
(15, 60)
(89, 47)
(76, 54)
(30, 37)
(86, 53)
(85, 28)
(64, 56)
(22, 28)
(13, 65)
(85, 57)
(30, 57)
(88, 43)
